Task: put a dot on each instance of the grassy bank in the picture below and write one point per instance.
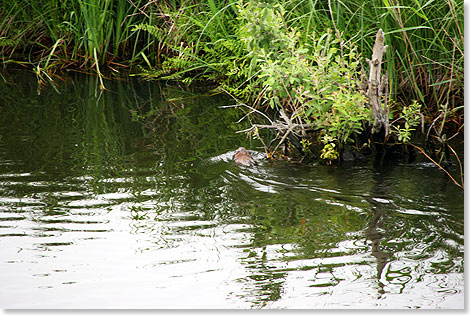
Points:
(425, 39)
(301, 58)
(425, 59)
(306, 57)
(82, 34)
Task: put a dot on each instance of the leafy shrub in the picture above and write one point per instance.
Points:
(318, 80)
(412, 117)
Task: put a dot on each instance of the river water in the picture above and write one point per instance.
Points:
(129, 199)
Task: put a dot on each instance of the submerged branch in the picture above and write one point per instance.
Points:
(279, 126)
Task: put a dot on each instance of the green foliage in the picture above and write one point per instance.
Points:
(318, 80)
(425, 38)
(273, 51)
(348, 115)
(412, 117)
(305, 145)
(88, 31)
(220, 57)
(329, 151)
(263, 28)
(334, 100)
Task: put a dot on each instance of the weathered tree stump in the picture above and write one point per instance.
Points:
(378, 85)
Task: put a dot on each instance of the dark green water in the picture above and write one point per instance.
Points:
(129, 199)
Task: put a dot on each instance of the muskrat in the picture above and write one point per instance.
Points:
(243, 157)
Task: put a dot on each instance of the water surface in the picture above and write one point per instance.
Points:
(129, 199)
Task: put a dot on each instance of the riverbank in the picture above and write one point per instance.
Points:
(288, 61)
(424, 61)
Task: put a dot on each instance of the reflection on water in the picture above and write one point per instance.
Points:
(129, 199)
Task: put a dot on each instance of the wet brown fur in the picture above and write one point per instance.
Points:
(243, 157)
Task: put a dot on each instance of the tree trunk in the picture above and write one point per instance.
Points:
(377, 85)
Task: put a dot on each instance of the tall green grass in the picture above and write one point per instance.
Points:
(81, 33)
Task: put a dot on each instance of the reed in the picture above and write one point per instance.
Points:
(30, 30)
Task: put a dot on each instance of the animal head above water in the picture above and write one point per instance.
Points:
(243, 157)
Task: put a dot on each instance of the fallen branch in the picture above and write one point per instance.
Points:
(437, 164)
(284, 127)
(277, 125)
(460, 165)
(239, 103)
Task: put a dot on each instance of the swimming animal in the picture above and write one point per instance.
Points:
(243, 157)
